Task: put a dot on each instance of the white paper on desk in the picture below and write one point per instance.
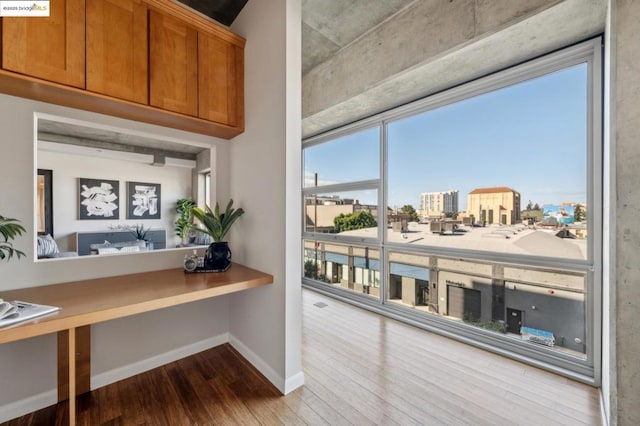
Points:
(7, 309)
(23, 311)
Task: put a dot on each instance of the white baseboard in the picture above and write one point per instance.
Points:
(258, 363)
(27, 405)
(120, 373)
(284, 386)
(603, 410)
(294, 382)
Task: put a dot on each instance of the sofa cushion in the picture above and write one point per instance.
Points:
(47, 246)
(108, 250)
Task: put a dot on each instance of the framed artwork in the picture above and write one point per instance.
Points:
(143, 200)
(98, 199)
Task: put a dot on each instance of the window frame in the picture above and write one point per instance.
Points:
(587, 370)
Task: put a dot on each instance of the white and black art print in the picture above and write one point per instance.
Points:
(98, 199)
(144, 200)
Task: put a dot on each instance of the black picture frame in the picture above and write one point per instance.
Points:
(98, 199)
(45, 202)
(143, 200)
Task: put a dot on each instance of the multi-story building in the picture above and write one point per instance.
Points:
(434, 204)
(494, 205)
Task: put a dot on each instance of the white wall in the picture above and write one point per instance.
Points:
(175, 183)
(265, 325)
(28, 368)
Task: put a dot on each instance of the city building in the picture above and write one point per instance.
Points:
(494, 205)
(438, 204)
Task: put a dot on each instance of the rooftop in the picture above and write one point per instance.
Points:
(494, 190)
(516, 239)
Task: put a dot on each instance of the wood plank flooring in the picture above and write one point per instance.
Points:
(360, 369)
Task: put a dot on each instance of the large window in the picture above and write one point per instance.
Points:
(504, 171)
(475, 212)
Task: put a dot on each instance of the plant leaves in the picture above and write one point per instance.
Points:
(215, 224)
(10, 229)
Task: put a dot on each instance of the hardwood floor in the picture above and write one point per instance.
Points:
(360, 368)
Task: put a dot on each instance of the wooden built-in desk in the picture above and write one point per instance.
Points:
(91, 301)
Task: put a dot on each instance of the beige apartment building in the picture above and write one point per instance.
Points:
(494, 205)
(438, 204)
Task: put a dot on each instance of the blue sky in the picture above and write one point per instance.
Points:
(530, 137)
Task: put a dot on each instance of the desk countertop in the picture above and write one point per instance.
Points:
(96, 300)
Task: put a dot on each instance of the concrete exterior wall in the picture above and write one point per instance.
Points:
(408, 291)
(626, 314)
(466, 281)
(562, 313)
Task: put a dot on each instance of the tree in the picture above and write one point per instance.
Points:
(408, 209)
(310, 269)
(352, 221)
(531, 206)
(579, 213)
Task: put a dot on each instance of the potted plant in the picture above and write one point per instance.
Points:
(215, 224)
(184, 223)
(9, 229)
(140, 233)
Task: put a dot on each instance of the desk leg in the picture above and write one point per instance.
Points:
(72, 377)
(83, 362)
(74, 366)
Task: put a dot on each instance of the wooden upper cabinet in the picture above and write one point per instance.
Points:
(117, 49)
(173, 64)
(50, 48)
(220, 81)
(148, 60)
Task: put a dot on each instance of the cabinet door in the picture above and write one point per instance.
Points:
(117, 49)
(50, 48)
(173, 62)
(220, 81)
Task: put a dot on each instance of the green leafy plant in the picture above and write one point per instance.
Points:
(184, 223)
(140, 232)
(311, 271)
(499, 327)
(214, 223)
(350, 222)
(9, 229)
